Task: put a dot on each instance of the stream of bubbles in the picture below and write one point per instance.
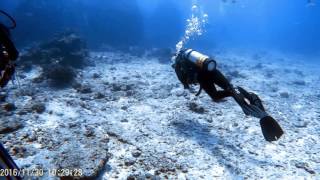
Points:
(195, 25)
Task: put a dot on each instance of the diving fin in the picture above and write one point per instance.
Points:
(271, 130)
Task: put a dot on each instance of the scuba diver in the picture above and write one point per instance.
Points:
(193, 67)
(8, 55)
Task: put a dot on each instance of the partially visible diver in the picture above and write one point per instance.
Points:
(8, 54)
(193, 67)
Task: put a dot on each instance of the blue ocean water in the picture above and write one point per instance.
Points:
(286, 26)
(121, 99)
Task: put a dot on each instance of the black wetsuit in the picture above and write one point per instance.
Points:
(208, 80)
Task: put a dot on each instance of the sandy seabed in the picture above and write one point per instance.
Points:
(131, 118)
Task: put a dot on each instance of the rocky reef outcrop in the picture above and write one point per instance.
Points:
(59, 59)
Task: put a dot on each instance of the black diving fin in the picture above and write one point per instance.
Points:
(271, 130)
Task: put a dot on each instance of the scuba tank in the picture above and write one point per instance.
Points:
(200, 60)
(188, 63)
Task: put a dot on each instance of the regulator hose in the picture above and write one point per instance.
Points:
(14, 24)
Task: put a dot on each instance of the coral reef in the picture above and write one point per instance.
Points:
(60, 76)
(59, 58)
(66, 49)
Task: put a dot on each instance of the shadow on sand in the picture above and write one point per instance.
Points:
(223, 149)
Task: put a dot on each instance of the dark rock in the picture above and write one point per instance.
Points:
(89, 132)
(18, 151)
(38, 107)
(129, 162)
(60, 76)
(76, 85)
(84, 89)
(299, 82)
(124, 120)
(136, 153)
(219, 113)
(32, 138)
(72, 125)
(3, 97)
(9, 107)
(301, 124)
(96, 76)
(130, 93)
(131, 177)
(305, 166)
(284, 95)
(183, 168)
(99, 96)
(9, 125)
(116, 87)
(148, 175)
(124, 108)
(195, 108)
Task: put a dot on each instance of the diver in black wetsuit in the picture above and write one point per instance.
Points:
(8, 54)
(193, 67)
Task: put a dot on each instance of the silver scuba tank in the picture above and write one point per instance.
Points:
(200, 60)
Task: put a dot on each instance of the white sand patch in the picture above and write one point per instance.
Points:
(58, 112)
(51, 121)
(142, 109)
(60, 109)
(34, 73)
